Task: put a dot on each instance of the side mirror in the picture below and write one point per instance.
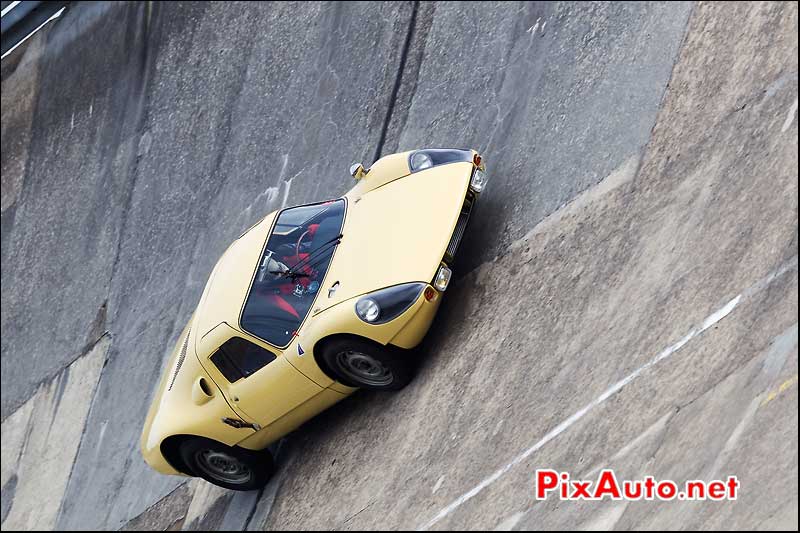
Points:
(357, 171)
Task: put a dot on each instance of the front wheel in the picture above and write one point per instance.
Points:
(365, 364)
(228, 467)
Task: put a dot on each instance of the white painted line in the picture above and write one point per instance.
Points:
(719, 315)
(8, 8)
(712, 319)
(790, 117)
(791, 264)
(42, 25)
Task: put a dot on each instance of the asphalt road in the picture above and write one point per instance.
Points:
(626, 295)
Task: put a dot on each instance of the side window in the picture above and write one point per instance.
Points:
(238, 358)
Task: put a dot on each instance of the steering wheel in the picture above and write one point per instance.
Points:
(299, 242)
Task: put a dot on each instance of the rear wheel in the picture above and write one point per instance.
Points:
(229, 467)
(365, 364)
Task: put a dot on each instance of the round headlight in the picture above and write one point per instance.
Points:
(421, 161)
(368, 309)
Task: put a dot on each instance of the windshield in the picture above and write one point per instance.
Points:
(291, 270)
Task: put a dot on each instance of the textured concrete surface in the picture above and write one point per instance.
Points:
(644, 166)
(40, 441)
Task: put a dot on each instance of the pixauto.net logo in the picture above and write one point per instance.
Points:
(607, 486)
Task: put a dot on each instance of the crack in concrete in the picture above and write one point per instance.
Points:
(397, 82)
(55, 375)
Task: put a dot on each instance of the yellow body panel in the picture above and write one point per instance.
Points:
(396, 229)
(411, 334)
(247, 396)
(383, 171)
(175, 412)
(294, 419)
(342, 319)
(397, 233)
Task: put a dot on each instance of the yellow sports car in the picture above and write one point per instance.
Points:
(307, 306)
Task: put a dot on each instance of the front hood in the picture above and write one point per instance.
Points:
(396, 233)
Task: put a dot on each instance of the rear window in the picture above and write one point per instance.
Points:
(291, 270)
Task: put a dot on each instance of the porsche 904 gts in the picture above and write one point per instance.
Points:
(305, 307)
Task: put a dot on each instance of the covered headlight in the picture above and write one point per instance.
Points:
(368, 310)
(387, 304)
(422, 159)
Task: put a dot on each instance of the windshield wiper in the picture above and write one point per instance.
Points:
(316, 253)
(293, 272)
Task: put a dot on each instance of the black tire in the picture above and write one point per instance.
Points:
(247, 469)
(385, 368)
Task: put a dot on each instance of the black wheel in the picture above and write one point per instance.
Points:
(229, 467)
(357, 362)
